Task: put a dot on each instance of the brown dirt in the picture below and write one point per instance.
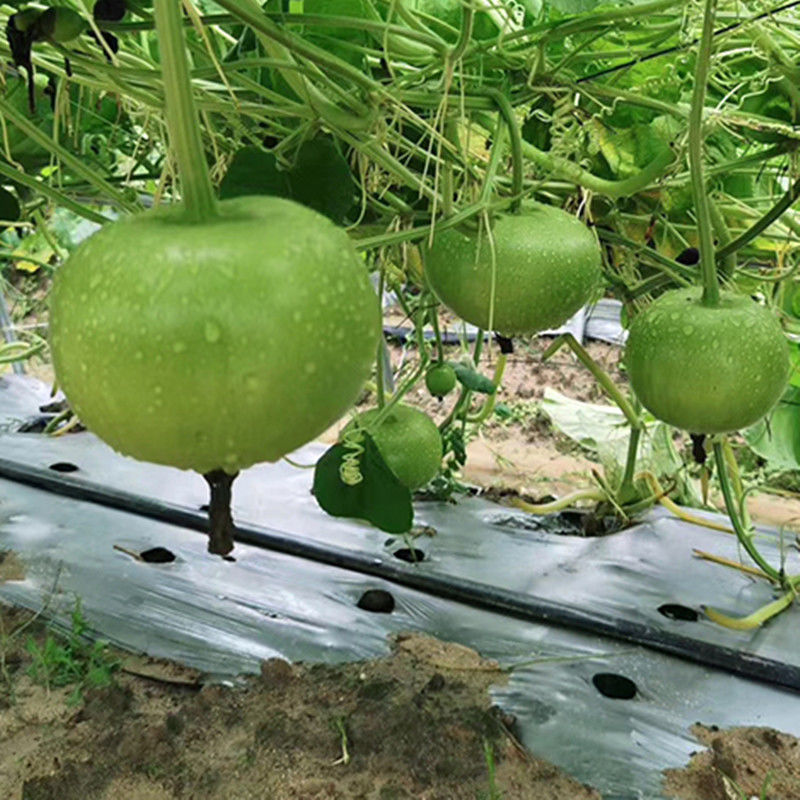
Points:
(414, 725)
(11, 568)
(738, 762)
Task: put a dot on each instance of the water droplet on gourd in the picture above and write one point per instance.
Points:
(688, 329)
(212, 332)
(138, 355)
(179, 347)
(252, 383)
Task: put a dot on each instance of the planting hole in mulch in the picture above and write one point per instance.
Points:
(64, 466)
(411, 555)
(678, 612)
(378, 601)
(616, 687)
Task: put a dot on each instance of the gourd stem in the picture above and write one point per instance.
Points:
(775, 213)
(627, 490)
(491, 401)
(437, 334)
(599, 374)
(380, 377)
(705, 228)
(515, 138)
(744, 536)
(220, 521)
(183, 122)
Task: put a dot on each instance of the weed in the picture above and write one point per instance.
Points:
(66, 659)
(339, 725)
(742, 795)
(493, 792)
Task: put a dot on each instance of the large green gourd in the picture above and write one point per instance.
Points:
(541, 267)
(707, 369)
(214, 346)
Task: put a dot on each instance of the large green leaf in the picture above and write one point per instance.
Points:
(776, 438)
(378, 498)
(320, 178)
(253, 171)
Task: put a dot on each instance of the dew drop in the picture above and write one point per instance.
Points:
(179, 347)
(212, 332)
(138, 355)
(311, 368)
(688, 329)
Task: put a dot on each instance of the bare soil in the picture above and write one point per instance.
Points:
(739, 762)
(417, 724)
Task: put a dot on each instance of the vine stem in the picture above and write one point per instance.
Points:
(379, 363)
(742, 534)
(183, 122)
(705, 227)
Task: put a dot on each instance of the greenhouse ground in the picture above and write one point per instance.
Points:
(415, 725)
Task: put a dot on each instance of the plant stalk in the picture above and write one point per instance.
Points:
(745, 537)
(183, 122)
(705, 226)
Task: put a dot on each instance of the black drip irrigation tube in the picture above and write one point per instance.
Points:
(467, 592)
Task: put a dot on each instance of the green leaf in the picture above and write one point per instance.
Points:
(253, 171)
(604, 430)
(9, 206)
(379, 498)
(574, 6)
(319, 179)
(473, 380)
(776, 438)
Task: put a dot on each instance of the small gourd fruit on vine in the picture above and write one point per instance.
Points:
(440, 379)
(538, 268)
(707, 369)
(408, 441)
(214, 345)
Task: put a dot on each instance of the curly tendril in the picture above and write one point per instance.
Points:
(350, 469)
